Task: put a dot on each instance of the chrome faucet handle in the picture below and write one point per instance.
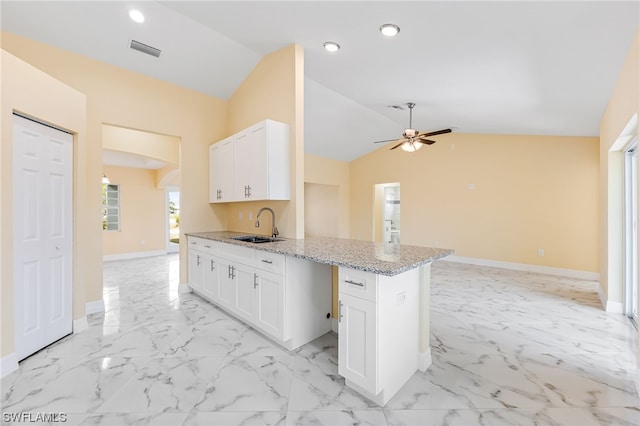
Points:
(275, 232)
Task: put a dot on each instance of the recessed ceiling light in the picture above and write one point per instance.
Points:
(136, 16)
(389, 30)
(331, 46)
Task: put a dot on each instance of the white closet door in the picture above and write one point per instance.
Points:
(42, 213)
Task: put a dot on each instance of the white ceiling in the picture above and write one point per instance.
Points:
(516, 67)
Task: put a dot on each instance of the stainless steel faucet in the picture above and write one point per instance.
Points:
(274, 230)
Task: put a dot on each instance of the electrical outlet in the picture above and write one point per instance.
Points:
(541, 252)
(471, 186)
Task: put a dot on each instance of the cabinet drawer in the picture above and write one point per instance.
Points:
(203, 245)
(270, 262)
(357, 283)
(239, 254)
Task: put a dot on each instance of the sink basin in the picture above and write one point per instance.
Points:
(257, 239)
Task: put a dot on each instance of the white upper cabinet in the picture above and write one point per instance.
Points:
(221, 159)
(260, 163)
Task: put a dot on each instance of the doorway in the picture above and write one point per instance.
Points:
(42, 234)
(631, 231)
(387, 213)
(173, 215)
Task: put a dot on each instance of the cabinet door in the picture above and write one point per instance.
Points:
(195, 269)
(258, 171)
(357, 342)
(210, 281)
(245, 282)
(221, 156)
(226, 284)
(241, 155)
(270, 309)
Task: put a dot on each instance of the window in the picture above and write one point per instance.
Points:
(111, 207)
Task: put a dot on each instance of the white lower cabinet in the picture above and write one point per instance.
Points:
(210, 276)
(377, 331)
(270, 307)
(288, 299)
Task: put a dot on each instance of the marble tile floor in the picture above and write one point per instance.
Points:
(509, 348)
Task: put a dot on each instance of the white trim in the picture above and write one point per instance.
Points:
(8, 364)
(572, 273)
(334, 325)
(608, 305)
(94, 307)
(80, 324)
(133, 255)
(424, 360)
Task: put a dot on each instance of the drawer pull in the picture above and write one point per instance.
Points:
(339, 311)
(193, 242)
(354, 283)
(207, 246)
(267, 261)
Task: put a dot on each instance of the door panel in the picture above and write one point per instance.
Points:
(42, 195)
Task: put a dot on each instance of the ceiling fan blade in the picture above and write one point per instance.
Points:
(425, 141)
(388, 140)
(397, 145)
(437, 132)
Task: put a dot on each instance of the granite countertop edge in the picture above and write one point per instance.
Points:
(364, 262)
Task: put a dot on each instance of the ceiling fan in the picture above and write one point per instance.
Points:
(412, 140)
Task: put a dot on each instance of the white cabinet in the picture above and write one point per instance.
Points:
(226, 285)
(245, 282)
(357, 347)
(259, 167)
(288, 299)
(221, 158)
(378, 331)
(210, 277)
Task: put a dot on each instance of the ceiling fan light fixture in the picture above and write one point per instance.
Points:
(389, 30)
(331, 46)
(411, 146)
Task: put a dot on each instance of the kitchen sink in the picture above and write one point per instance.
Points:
(257, 239)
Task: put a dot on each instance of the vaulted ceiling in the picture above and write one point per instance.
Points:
(517, 67)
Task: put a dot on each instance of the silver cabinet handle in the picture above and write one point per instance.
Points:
(212, 267)
(198, 261)
(255, 280)
(233, 272)
(193, 242)
(229, 271)
(354, 283)
(266, 261)
(249, 191)
(339, 310)
(207, 246)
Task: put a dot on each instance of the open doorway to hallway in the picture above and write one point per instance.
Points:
(173, 214)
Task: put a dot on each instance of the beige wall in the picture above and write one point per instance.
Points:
(335, 173)
(22, 89)
(146, 144)
(143, 213)
(126, 99)
(530, 192)
(275, 90)
(623, 104)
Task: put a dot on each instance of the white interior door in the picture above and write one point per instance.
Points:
(42, 212)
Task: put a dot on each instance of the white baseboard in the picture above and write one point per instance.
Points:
(80, 324)
(608, 305)
(133, 255)
(8, 364)
(94, 307)
(424, 360)
(334, 325)
(572, 273)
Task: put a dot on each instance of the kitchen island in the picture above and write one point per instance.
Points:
(283, 288)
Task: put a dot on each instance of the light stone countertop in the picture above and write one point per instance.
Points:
(378, 258)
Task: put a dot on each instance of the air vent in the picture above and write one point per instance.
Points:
(144, 48)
